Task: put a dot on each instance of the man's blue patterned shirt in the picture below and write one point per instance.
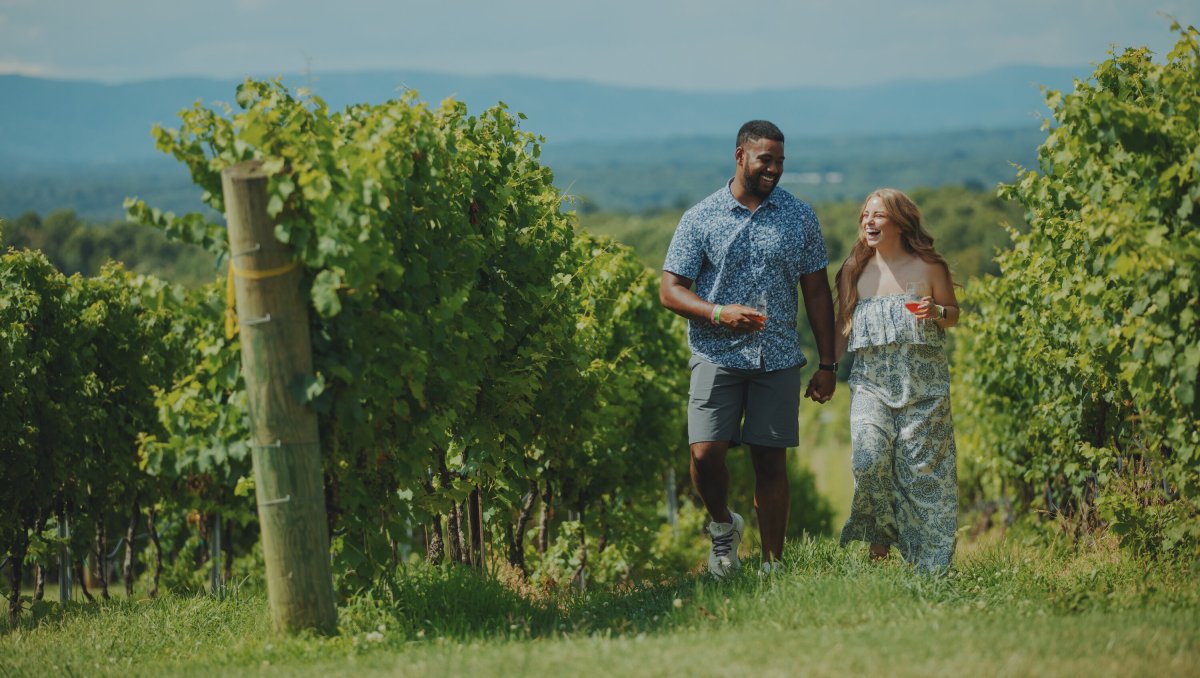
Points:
(734, 255)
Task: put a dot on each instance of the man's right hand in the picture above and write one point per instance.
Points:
(675, 293)
(742, 318)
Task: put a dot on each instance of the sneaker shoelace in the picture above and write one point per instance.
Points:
(723, 544)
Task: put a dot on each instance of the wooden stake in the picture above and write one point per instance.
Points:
(64, 560)
(475, 509)
(276, 362)
(152, 530)
(130, 533)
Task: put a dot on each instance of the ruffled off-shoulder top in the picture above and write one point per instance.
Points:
(883, 320)
(898, 358)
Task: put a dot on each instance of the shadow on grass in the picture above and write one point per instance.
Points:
(458, 603)
(50, 612)
(35, 613)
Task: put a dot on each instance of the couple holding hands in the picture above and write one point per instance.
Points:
(736, 268)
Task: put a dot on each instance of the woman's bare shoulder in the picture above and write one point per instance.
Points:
(935, 270)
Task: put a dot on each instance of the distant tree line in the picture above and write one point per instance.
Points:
(76, 246)
(967, 223)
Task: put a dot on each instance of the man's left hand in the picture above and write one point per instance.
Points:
(821, 386)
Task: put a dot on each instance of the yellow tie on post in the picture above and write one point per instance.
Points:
(231, 325)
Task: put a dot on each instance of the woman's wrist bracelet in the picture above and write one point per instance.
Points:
(716, 314)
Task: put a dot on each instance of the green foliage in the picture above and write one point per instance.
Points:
(1079, 367)
(187, 569)
(39, 372)
(464, 337)
(608, 412)
(199, 455)
(83, 356)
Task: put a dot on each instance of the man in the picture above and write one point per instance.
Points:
(748, 245)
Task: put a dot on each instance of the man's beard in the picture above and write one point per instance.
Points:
(751, 184)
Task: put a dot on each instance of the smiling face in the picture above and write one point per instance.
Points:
(876, 227)
(759, 166)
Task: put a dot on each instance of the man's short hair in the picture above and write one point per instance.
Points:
(758, 129)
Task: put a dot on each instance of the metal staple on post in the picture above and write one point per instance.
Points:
(278, 444)
(257, 248)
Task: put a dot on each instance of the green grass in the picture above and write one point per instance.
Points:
(1011, 606)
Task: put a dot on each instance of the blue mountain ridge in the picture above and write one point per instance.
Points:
(46, 122)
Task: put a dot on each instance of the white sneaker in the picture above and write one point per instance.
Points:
(770, 567)
(726, 537)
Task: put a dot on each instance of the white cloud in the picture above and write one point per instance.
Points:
(17, 67)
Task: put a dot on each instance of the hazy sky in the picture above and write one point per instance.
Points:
(681, 44)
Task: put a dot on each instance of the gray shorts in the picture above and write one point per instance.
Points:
(719, 398)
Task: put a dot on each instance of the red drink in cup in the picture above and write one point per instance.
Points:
(914, 294)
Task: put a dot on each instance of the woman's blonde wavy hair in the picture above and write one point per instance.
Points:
(916, 240)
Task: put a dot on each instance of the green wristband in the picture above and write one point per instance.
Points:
(717, 314)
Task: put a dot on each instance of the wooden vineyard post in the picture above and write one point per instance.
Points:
(214, 558)
(272, 316)
(64, 560)
(672, 503)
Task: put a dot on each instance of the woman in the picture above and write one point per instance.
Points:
(905, 484)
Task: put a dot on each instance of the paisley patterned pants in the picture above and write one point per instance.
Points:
(905, 477)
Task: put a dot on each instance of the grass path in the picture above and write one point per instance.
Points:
(1012, 607)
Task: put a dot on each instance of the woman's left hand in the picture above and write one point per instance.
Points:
(821, 386)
